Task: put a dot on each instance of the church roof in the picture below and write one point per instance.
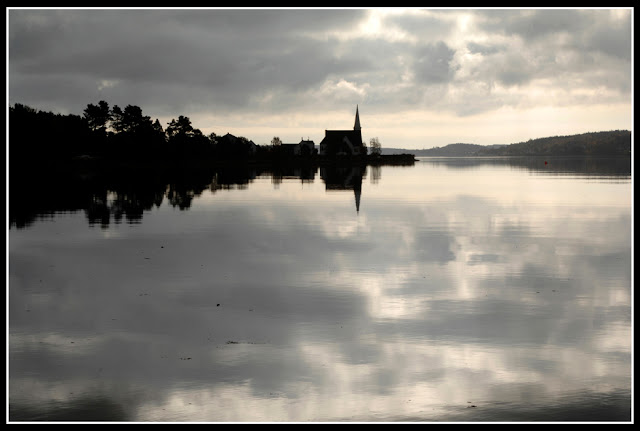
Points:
(336, 136)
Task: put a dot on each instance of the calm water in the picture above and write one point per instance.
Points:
(453, 290)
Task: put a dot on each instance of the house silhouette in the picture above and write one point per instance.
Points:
(305, 147)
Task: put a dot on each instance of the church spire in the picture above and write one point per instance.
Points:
(356, 126)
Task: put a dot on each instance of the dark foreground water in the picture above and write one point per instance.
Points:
(456, 290)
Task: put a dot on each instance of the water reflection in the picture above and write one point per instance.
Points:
(304, 173)
(344, 178)
(108, 196)
(584, 166)
(274, 301)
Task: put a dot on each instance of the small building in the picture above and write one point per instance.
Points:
(303, 148)
(344, 142)
(306, 148)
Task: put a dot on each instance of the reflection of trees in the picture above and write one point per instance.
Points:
(376, 173)
(303, 173)
(112, 195)
(185, 184)
(107, 205)
(179, 196)
(121, 193)
(234, 177)
(124, 196)
(117, 194)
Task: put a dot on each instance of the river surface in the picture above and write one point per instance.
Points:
(454, 290)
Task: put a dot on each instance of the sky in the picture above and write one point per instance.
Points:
(420, 78)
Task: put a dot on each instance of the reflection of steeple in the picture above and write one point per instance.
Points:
(344, 178)
(356, 126)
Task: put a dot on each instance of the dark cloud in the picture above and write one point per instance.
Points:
(558, 30)
(483, 49)
(538, 24)
(248, 23)
(212, 55)
(433, 63)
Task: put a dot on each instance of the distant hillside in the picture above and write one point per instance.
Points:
(612, 143)
(449, 150)
(454, 150)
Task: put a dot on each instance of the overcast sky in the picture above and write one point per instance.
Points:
(421, 78)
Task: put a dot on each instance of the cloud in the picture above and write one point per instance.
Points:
(278, 62)
(432, 63)
(557, 44)
(226, 54)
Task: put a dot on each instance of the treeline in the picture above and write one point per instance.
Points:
(114, 133)
(610, 143)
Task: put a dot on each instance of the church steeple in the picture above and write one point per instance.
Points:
(356, 126)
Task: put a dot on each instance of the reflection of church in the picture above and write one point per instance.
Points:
(343, 142)
(344, 178)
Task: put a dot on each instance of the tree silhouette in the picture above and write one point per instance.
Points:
(182, 127)
(117, 119)
(98, 116)
(134, 121)
(376, 147)
(187, 142)
(134, 135)
(44, 136)
(157, 127)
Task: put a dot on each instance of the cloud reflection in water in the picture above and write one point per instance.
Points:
(248, 307)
